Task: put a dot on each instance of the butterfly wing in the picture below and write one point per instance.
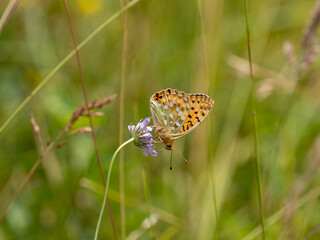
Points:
(157, 111)
(170, 109)
(200, 107)
(179, 113)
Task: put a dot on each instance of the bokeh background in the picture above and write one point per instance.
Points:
(167, 44)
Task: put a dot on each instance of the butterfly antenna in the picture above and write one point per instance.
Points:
(171, 161)
(180, 155)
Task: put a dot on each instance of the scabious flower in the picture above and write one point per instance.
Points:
(142, 136)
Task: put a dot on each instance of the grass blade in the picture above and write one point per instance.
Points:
(255, 124)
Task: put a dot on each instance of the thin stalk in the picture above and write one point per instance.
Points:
(204, 46)
(85, 95)
(255, 125)
(107, 186)
(7, 13)
(65, 60)
(121, 118)
(84, 89)
(205, 60)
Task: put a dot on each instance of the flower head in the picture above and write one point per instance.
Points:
(142, 136)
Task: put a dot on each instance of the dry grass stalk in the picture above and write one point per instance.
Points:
(81, 130)
(81, 111)
(311, 27)
(309, 56)
(36, 130)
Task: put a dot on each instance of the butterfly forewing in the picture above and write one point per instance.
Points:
(159, 114)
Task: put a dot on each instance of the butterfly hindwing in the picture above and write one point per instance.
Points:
(200, 107)
(179, 109)
(170, 109)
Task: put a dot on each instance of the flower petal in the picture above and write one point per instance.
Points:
(145, 122)
(145, 153)
(142, 136)
(153, 152)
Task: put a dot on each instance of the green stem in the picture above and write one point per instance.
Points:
(107, 186)
(7, 12)
(255, 125)
(206, 68)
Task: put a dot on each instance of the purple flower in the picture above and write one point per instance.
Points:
(142, 136)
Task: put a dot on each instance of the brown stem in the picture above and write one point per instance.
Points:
(87, 107)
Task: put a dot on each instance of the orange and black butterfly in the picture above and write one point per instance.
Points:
(176, 113)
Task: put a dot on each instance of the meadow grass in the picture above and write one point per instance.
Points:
(193, 46)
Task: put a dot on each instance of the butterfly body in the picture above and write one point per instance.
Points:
(165, 136)
(176, 113)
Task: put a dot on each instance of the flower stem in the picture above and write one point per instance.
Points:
(107, 186)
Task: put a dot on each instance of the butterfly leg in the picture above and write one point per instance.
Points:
(156, 141)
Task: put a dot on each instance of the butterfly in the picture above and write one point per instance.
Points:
(176, 113)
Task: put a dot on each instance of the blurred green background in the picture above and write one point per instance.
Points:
(165, 49)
